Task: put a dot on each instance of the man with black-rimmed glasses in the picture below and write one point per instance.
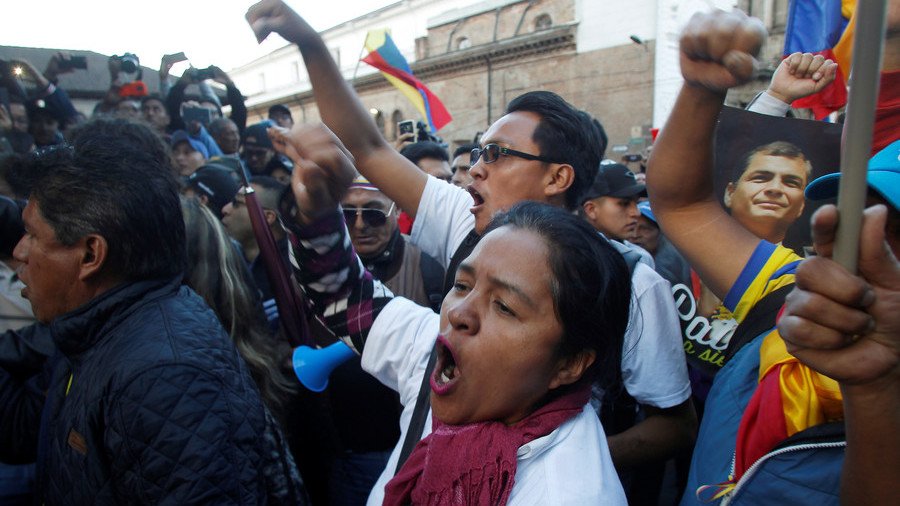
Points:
(542, 149)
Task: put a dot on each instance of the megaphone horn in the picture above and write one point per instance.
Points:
(313, 366)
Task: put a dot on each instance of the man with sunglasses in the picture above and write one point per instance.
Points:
(366, 413)
(389, 255)
(542, 149)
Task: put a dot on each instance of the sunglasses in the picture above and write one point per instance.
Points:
(490, 153)
(371, 217)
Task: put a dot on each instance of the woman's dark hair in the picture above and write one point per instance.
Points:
(219, 275)
(567, 135)
(591, 284)
(114, 180)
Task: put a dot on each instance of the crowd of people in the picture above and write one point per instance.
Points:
(514, 307)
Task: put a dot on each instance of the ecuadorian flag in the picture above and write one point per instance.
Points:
(823, 27)
(384, 55)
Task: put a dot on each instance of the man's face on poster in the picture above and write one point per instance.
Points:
(770, 191)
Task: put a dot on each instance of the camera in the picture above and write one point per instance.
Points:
(202, 74)
(423, 133)
(8, 80)
(201, 114)
(406, 127)
(73, 62)
(129, 62)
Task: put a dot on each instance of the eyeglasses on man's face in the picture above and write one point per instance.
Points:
(371, 217)
(490, 153)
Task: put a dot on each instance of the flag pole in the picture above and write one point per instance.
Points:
(290, 302)
(359, 59)
(858, 127)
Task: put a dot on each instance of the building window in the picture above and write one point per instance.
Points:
(542, 22)
(779, 15)
(379, 119)
(463, 43)
(396, 117)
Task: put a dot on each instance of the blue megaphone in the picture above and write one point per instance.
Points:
(313, 366)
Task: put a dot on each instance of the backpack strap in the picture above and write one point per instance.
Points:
(432, 280)
(760, 319)
(420, 413)
(618, 409)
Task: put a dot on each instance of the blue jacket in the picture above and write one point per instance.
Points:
(148, 403)
(804, 469)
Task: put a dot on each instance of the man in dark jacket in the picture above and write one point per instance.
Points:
(129, 390)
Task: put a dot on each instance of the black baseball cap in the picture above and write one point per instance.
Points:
(217, 182)
(279, 109)
(257, 135)
(614, 180)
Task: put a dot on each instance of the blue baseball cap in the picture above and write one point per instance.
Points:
(883, 176)
(644, 208)
(182, 136)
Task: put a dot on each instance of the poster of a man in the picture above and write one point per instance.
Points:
(767, 195)
(763, 164)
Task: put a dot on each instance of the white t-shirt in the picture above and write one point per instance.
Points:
(569, 466)
(654, 369)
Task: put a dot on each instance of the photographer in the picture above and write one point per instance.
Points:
(12, 100)
(125, 85)
(14, 136)
(176, 96)
(44, 123)
(197, 131)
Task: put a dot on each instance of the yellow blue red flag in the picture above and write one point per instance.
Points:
(384, 55)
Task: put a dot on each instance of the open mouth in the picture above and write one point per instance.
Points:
(476, 197)
(446, 372)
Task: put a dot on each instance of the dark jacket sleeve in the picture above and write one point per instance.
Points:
(61, 107)
(238, 108)
(24, 352)
(178, 435)
(23, 380)
(173, 106)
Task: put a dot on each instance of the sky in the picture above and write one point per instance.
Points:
(209, 32)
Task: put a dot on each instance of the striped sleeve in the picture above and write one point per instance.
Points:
(770, 267)
(343, 293)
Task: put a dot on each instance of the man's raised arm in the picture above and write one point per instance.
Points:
(341, 109)
(717, 53)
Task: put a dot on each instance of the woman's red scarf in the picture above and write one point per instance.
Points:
(475, 463)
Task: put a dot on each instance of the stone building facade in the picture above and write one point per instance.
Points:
(604, 56)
